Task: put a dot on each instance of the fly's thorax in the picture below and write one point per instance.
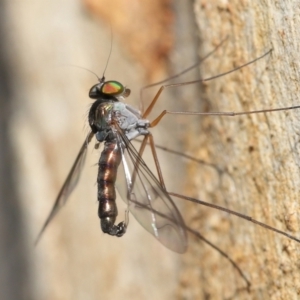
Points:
(100, 119)
(130, 120)
(100, 115)
(124, 117)
(104, 114)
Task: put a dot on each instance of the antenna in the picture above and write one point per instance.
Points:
(79, 67)
(110, 51)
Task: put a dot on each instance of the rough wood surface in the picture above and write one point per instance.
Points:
(257, 156)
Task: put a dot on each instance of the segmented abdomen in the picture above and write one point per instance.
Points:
(107, 174)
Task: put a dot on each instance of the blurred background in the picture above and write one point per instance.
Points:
(255, 160)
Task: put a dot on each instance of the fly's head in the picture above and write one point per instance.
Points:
(109, 90)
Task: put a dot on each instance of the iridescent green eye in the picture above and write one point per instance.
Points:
(112, 88)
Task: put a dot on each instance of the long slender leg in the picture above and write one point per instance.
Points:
(187, 156)
(153, 102)
(155, 158)
(197, 234)
(181, 72)
(226, 114)
(242, 216)
(156, 161)
(201, 237)
(141, 151)
(221, 252)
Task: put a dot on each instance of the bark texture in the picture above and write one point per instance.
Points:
(256, 157)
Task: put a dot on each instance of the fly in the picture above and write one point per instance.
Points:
(115, 123)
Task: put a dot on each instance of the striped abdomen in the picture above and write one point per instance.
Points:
(107, 174)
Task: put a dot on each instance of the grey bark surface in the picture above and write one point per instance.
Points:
(256, 156)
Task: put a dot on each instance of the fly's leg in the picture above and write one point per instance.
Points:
(182, 72)
(156, 161)
(187, 157)
(159, 92)
(149, 137)
(230, 114)
(226, 114)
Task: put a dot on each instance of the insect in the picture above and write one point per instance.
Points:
(115, 123)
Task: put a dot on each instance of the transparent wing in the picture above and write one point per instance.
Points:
(150, 204)
(69, 185)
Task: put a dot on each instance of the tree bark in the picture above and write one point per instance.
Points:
(256, 156)
(251, 162)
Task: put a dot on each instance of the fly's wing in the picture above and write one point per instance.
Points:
(69, 185)
(150, 204)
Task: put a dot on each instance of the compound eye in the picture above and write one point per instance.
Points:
(112, 88)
